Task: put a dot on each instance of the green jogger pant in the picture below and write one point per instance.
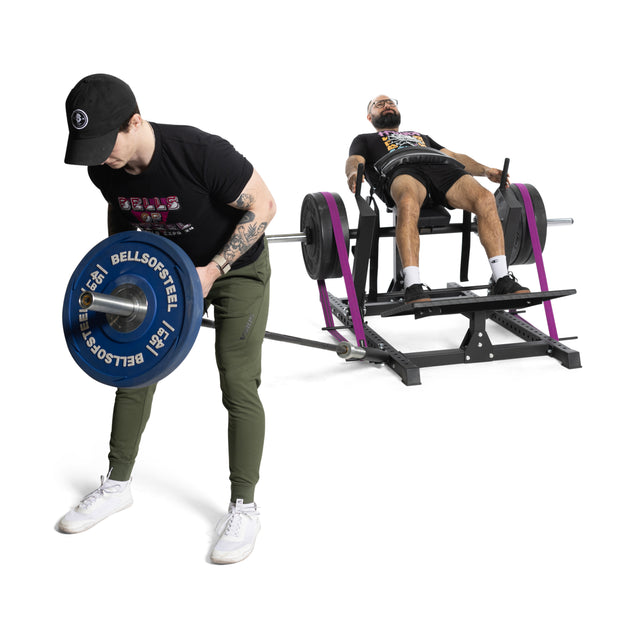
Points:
(240, 301)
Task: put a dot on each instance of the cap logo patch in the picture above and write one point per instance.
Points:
(79, 119)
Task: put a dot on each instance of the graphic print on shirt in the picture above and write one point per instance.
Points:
(152, 214)
(394, 140)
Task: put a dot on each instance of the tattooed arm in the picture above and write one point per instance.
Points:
(259, 207)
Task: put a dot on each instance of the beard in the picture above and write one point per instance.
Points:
(390, 119)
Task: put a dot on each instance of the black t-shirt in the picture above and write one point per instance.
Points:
(373, 146)
(182, 194)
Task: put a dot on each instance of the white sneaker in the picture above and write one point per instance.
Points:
(238, 531)
(109, 498)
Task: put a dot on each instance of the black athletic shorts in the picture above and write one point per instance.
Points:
(437, 179)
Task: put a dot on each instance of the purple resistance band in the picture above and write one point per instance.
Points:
(537, 254)
(356, 318)
(326, 310)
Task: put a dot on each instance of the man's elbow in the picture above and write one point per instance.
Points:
(352, 163)
(268, 209)
(271, 209)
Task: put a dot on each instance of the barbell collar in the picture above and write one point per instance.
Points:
(350, 351)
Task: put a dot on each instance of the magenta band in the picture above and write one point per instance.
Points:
(326, 310)
(356, 317)
(537, 254)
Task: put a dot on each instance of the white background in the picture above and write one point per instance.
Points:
(492, 501)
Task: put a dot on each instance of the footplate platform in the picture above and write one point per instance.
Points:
(467, 304)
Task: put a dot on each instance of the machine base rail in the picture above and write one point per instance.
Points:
(476, 345)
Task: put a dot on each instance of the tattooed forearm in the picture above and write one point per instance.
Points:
(245, 201)
(257, 208)
(247, 233)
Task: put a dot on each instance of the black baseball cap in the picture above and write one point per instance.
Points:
(96, 108)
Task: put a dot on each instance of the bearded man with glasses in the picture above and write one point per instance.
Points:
(437, 176)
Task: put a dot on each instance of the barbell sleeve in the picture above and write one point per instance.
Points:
(105, 303)
(556, 222)
(288, 237)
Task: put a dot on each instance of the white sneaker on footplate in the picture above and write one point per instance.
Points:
(109, 498)
(238, 531)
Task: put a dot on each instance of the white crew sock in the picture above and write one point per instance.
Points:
(119, 485)
(411, 276)
(499, 267)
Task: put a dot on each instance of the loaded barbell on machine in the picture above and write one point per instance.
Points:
(524, 220)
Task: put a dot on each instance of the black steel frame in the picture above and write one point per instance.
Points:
(476, 345)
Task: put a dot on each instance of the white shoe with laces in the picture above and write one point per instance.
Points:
(109, 498)
(238, 531)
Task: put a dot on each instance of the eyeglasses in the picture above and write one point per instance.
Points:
(381, 103)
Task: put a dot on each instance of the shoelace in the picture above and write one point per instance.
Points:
(509, 275)
(89, 500)
(233, 520)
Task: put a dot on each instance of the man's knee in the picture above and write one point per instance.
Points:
(406, 204)
(468, 193)
(485, 202)
(407, 193)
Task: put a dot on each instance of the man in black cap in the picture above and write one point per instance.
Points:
(197, 190)
(427, 171)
